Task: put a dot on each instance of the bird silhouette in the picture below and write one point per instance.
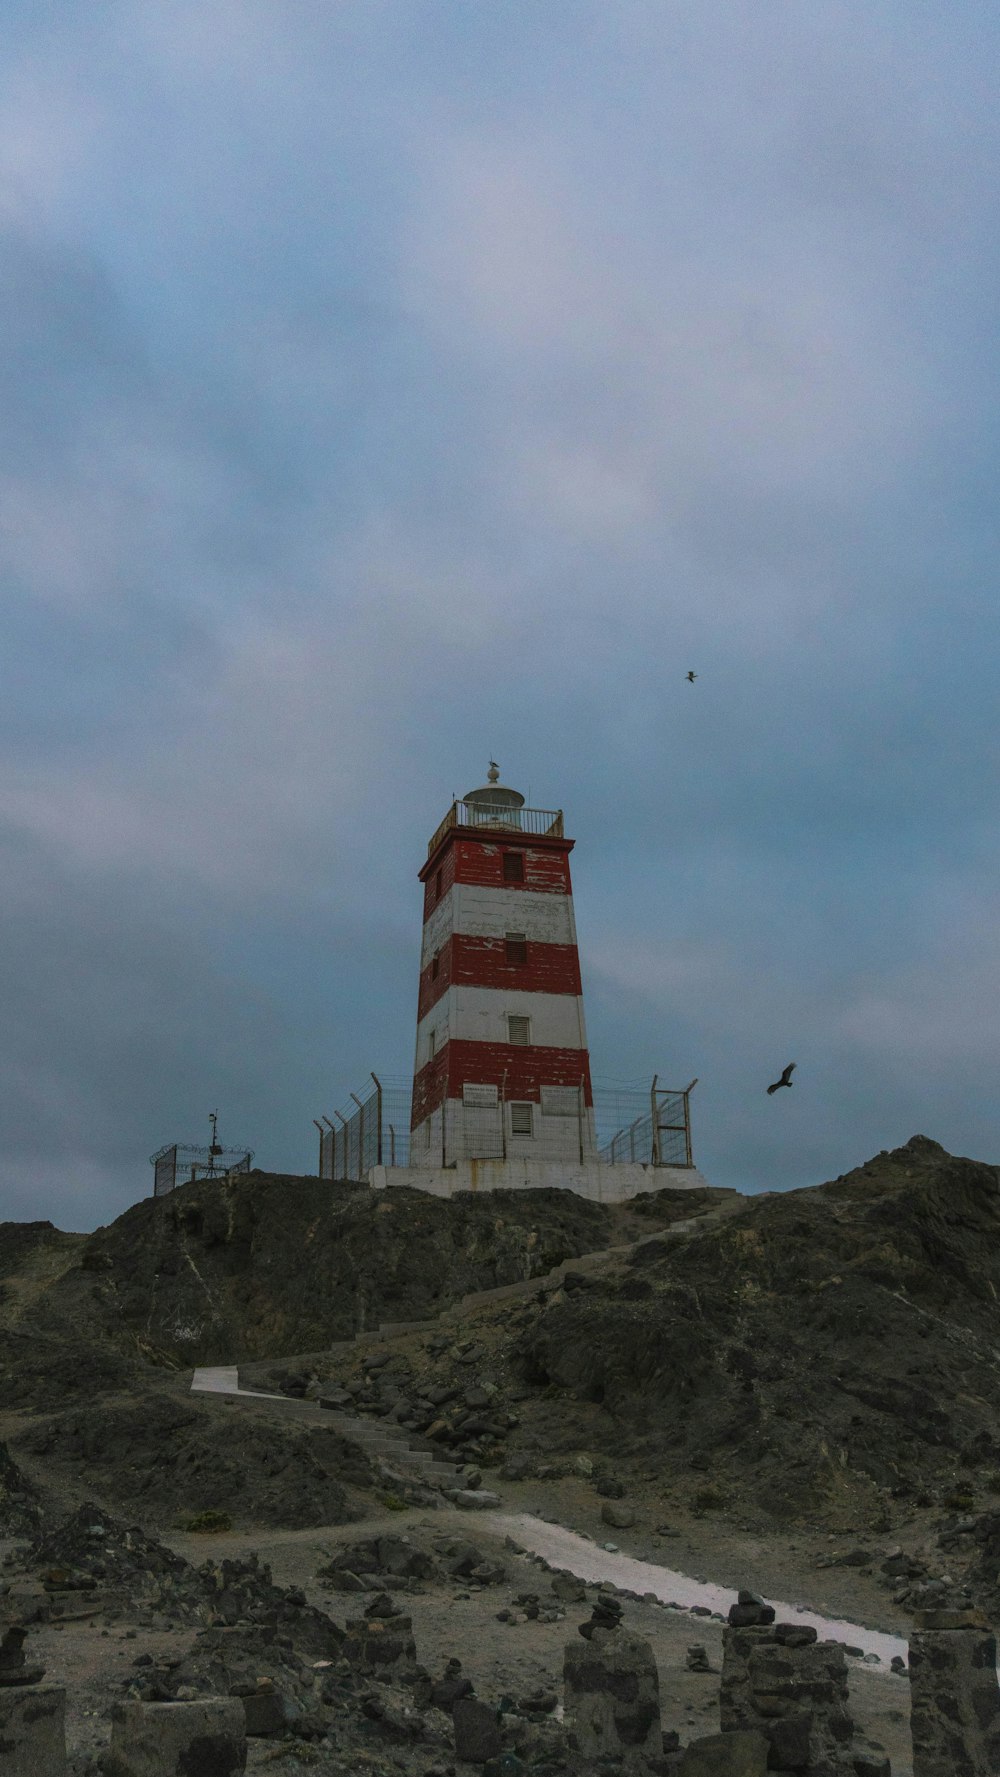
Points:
(692, 677)
(785, 1080)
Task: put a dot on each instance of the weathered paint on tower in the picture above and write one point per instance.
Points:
(501, 1069)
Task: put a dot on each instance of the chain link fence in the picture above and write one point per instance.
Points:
(628, 1123)
(181, 1165)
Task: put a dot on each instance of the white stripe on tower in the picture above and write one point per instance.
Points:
(480, 1015)
(490, 913)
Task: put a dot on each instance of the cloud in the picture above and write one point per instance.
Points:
(377, 394)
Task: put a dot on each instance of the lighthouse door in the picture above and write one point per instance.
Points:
(482, 1123)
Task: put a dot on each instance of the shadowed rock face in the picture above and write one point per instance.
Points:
(170, 1459)
(838, 1338)
(18, 1509)
(269, 1265)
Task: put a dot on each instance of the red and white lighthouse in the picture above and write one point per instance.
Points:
(501, 1070)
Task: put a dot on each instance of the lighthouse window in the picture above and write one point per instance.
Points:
(516, 947)
(435, 967)
(518, 1029)
(520, 1119)
(513, 866)
(431, 1043)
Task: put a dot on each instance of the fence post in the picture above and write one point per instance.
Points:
(345, 1155)
(579, 1116)
(655, 1113)
(322, 1132)
(503, 1116)
(360, 1120)
(687, 1121)
(333, 1147)
(378, 1120)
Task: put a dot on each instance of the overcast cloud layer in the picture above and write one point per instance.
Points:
(388, 385)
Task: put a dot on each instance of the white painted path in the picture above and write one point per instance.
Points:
(565, 1548)
(225, 1379)
(588, 1561)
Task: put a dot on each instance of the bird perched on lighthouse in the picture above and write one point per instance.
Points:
(786, 1078)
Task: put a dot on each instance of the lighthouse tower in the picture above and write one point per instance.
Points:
(502, 1072)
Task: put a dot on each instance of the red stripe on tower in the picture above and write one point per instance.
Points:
(502, 1066)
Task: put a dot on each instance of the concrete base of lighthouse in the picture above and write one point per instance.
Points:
(598, 1183)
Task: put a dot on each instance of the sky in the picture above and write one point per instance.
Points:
(386, 387)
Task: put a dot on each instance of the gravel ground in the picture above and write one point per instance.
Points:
(457, 1619)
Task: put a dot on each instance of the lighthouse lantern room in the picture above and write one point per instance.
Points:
(502, 1070)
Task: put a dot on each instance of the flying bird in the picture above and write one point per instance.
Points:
(692, 677)
(786, 1078)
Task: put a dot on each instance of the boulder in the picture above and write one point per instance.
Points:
(265, 1713)
(569, 1588)
(477, 1730)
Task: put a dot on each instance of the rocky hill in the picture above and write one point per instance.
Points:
(94, 1328)
(266, 1265)
(825, 1356)
(841, 1340)
(817, 1357)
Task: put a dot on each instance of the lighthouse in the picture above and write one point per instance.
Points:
(501, 1071)
(502, 1097)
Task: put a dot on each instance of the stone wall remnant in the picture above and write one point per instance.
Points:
(954, 1698)
(740, 1754)
(382, 1640)
(33, 1730)
(612, 1696)
(202, 1738)
(781, 1681)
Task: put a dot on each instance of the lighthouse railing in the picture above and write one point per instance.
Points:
(545, 822)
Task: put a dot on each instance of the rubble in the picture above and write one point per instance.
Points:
(139, 1579)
